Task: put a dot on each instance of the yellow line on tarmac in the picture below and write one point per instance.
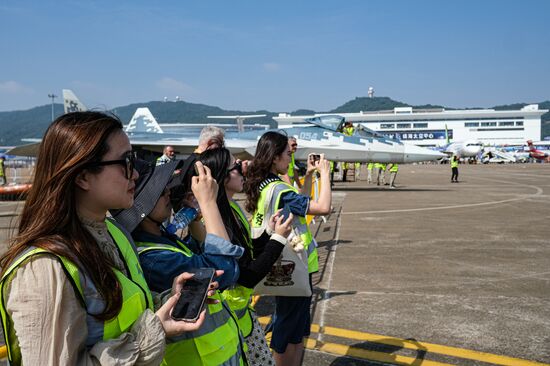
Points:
(350, 351)
(415, 345)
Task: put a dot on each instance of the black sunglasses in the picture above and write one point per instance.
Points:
(129, 163)
(238, 167)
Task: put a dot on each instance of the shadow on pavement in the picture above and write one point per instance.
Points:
(387, 353)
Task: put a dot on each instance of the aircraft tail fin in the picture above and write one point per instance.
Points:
(530, 144)
(71, 102)
(143, 121)
(447, 135)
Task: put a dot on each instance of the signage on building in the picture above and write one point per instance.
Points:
(417, 135)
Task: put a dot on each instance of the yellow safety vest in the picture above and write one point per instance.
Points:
(348, 131)
(239, 297)
(370, 166)
(217, 342)
(277, 188)
(454, 163)
(394, 168)
(136, 296)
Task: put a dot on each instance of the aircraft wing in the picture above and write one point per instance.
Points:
(25, 150)
(185, 145)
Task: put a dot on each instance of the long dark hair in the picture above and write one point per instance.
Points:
(218, 160)
(49, 219)
(270, 145)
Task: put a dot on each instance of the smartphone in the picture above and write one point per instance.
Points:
(315, 157)
(196, 172)
(285, 212)
(193, 296)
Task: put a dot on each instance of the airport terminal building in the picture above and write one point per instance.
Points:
(426, 127)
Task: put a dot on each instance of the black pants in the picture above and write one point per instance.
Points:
(454, 176)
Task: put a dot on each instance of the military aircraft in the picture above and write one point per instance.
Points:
(318, 135)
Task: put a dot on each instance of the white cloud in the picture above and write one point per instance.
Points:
(172, 85)
(271, 67)
(13, 87)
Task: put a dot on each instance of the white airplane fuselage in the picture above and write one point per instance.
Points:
(464, 149)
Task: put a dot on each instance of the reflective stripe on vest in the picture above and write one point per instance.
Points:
(239, 297)
(242, 217)
(216, 342)
(268, 204)
(135, 295)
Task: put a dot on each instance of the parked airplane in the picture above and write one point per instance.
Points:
(463, 149)
(318, 135)
(535, 153)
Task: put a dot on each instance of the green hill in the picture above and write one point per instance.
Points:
(32, 123)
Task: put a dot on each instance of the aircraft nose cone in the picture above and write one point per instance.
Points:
(416, 153)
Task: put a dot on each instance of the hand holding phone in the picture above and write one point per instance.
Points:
(283, 223)
(193, 296)
(204, 187)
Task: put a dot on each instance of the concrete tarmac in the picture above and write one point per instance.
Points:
(433, 272)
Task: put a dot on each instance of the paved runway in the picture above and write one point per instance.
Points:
(434, 273)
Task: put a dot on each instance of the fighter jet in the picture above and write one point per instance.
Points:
(318, 135)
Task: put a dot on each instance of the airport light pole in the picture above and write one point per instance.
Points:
(53, 96)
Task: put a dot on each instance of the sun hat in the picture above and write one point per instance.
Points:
(149, 187)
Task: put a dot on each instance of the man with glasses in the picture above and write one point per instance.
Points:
(291, 176)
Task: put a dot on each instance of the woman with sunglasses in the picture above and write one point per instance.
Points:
(72, 288)
(266, 194)
(259, 254)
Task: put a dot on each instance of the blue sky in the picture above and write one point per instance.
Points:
(275, 55)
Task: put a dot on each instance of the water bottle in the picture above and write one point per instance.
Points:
(182, 219)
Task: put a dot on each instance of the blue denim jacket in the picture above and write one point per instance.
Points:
(160, 267)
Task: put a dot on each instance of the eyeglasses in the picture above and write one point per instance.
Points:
(238, 167)
(129, 163)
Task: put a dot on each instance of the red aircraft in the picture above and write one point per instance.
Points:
(536, 154)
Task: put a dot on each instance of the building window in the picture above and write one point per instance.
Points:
(420, 125)
(387, 125)
(403, 125)
(471, 124)
(519, 123)
(506, 123)
(488, 124)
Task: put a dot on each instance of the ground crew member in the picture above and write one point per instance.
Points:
(348, 131)
(2, 171)
(454, 169)
(393, 173)
(370, 166)
(381, 174)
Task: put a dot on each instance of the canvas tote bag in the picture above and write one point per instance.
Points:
(289, 275)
